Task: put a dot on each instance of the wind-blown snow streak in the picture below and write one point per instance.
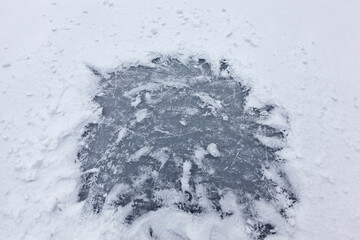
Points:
(182, 127)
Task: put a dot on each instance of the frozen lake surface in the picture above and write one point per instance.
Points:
(178, 135)
(177, 148)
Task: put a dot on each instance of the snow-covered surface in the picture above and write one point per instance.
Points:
(302, 56)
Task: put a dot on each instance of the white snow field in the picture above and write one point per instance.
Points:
(303, 57)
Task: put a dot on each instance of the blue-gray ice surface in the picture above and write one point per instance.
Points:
(177, 135)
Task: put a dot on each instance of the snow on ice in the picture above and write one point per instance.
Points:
(300, 60)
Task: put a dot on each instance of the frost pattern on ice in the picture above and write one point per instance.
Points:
(177, 135)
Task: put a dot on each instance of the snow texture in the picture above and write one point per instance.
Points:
(302, 57)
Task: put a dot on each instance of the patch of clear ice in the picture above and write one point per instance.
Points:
(193, 146)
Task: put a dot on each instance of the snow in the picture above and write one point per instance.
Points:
(209, 100)
(199, 154)
(93, 170)
(138, 89)
(271, 141)
(185, 176)
(213, 150)
(161, 155)
(144, 151)
(122, 133)
(141, 115)
(191, 111)
(278, 119)
(136, 102)
(302, 56)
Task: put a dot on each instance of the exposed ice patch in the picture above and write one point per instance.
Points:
(192, 147)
